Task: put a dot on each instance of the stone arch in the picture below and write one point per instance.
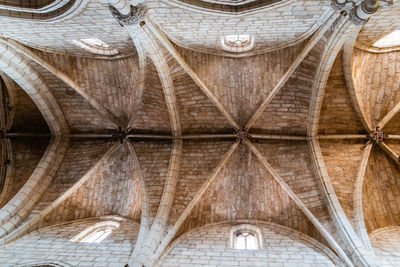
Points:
(386, 244)
(215, 238)
(113, 251)
(237, 7)
(45, 264)
(18, 69)
(41, 10)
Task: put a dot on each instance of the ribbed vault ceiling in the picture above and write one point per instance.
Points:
(207, 138)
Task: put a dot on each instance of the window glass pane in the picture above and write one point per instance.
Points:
(240, 242)
(95, 42)
(246, 240)
(392, 39)
(251, 242)
(103, 236)
(92, 237)
(97, 236)
(96, 46)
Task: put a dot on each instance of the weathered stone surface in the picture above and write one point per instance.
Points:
(289, 109)
(27, 118)
(25, 157)
(154, 160)
(78, 161)
(337, 112)
(241, 84)
(377, 81)
(181, 130)
(386, 245)
(79, 113)
(342, 160)
(52, 245)
(245, 190)
(210, 246)
(152, 114)
(199, 159)
(112, 189)
(112, 83)
(381, 192)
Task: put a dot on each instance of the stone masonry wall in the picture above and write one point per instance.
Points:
(242, 84)
(245, 190)
(288, 111)
(112, 83)
(52, 245)
(27, 117)
(337, 113)
(376, 78)
(386, 244)
(87, 119)
(26, 156)
(211, 247)
(342, 160)
(203, 30)
(381, 192)
(112, 189)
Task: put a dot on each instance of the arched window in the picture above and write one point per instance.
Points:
(246, 237)
(392, 39)
(96, 46)
(238, 42)
(96, 233)
(246, 240)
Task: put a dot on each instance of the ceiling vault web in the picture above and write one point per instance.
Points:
(151, 27)
(141, 256)
(29, 224)
(354, 247)
(348, 238)
(300, 204)
(139, 35)
(348, 49)
(358, 212)
(336, 39)
(393, 155)
(145, 215)
(142, 70)
(310, 45)
(63, 77)
(389, 116)
(168, 238)
(19, 207)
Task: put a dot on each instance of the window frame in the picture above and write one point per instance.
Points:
(389, 45)
(84, 237)
(96, 46)
(246, 228)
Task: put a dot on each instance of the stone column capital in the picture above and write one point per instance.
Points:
(137, 14)
(358, 14)
(338, 5)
